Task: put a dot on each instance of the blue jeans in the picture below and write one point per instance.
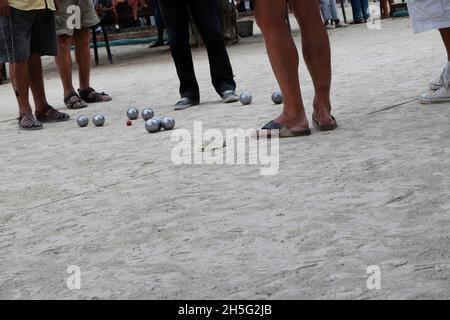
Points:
(329, 10)
(360, 10)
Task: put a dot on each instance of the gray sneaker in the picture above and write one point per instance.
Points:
(440, 95)
(229, 96)
(185, 103)
(437, 83)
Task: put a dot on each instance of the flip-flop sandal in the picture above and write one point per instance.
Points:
(52, 115)
(29, 123)
(74, 101)
(284, 132)
(328, 127)
(91, 96)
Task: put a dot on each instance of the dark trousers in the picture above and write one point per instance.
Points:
(158, 16)
(206, 16)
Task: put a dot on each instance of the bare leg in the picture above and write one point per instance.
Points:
(317, 55)
(134, 7)
(116, 17)
(21, 84)
(64, 63)
(37, 82)
(283, 56)
(83, 57)
(445, 33)
(386, 9)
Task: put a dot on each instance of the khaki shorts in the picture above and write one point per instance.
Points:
(88, 16)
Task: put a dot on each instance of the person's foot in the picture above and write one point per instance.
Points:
(322, 117)
(385, 16)
(340, 24)
(440, 95)
(436, 83)
(74, 101)
(157, 44)
(51, 115)
(89, 95)
(229, 96)
(185, 103)
(293, 122)
(29, 122)
(330, 27)
(358, 22)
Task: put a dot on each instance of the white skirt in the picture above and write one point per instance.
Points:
(427, 15)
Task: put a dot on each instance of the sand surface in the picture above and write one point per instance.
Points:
(110, 200)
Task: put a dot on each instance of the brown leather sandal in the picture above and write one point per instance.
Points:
(29, 123)
(74, 101)
(91, 96)
(52, 115)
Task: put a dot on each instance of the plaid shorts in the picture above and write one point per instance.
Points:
(26, 32)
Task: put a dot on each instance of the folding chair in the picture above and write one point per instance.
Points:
(106, 39)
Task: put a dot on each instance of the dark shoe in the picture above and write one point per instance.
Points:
(157, 44)
(229, 96)
(283, 132)
(358, 22)
(185, 103)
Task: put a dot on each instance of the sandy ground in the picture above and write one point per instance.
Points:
(110, 200)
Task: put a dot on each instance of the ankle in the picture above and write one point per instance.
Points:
(25, 113)
(41, 107)
(68, 91)
(321, 105)
(294, 117)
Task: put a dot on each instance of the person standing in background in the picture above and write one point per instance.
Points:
(360, 11)
(136, 5)
(159, 25)
(81, 38)
(330, 15)
(428, 15)
(386, 6)
(205, 13)
(106, 10)
(27, 32)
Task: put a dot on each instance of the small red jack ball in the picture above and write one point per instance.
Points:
(129, 123)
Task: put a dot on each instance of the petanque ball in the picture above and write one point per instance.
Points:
(245, 98)
(147, 114)
(277, 97)
(132, 113)
(153, 125)
(99, 120)
(83, 121)
(168, 123)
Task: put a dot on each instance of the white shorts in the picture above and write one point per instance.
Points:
(427, 15)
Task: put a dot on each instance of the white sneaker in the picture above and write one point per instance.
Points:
(440, 95)
(438, 82)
